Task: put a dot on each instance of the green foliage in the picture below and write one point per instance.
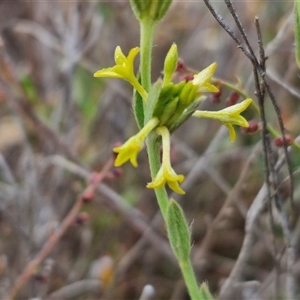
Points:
(178, 231)
(138, 108)
(154, 94)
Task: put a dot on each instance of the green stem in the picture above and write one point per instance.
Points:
(153, 147)
(190, 280)
(147, 30)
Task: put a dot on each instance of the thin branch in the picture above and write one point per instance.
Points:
(259, 70)
(118, 204)
(56, 236)
(220, 20)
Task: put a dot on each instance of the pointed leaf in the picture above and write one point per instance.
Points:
(205, 293)
(178, 231)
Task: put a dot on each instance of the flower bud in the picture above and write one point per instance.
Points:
(170, 63)
(181, 66)
(88, 195)
(232, 99)
(188, 93)
(150, 9)
(253, 127)
(169, 110)
(280, 141)
(186, 77)
(215, 97)
(81, 218)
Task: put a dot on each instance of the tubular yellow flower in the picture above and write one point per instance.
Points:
(130, 149)
(228, 116)
(124, 69)
(166, 174)
(202, 79)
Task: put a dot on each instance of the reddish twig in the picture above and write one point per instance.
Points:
(57, 235)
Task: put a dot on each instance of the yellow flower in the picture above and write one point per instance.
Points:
(130, 149)
(228, 116)
(124, 69)
(203, 78)
(166, 174)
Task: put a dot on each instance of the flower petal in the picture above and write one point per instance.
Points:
(128, 151)
(132, 54)
(232, 133)
(124, 69)
(131, 148)
(205, 75)
(207, 87)
(120, 58)
(113, 72)
(173, 185)
(228, 116)
(166, 174)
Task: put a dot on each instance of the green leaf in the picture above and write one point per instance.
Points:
(205, 293)
(154, 94)
(138, 108)
(178, 231)
(297, 31)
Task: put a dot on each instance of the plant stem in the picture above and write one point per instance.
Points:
(153, 146)
(190, 280)
(154, 162)
(147, 29)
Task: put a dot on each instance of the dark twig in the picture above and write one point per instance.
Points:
(220, 20)
(259, 71)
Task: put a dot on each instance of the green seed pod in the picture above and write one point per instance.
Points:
(151, 9)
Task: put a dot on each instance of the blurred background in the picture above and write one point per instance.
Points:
(58, 123)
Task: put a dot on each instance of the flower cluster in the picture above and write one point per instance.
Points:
(171, 106)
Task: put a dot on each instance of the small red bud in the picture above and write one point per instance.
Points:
(253, 127)
(40, 277)
(81, 218)
(117, 172)
(232, 99)
(280, 141)
(215, 97)
(88, 196)
(181, 66)
(186, 76)
(94, 178)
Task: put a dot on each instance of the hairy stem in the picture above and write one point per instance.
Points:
(190, 280)
(147, 29)
(154, 162)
